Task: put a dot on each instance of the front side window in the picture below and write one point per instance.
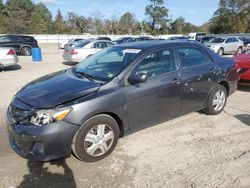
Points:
(107, 64)
(191, 57)
(157, 63)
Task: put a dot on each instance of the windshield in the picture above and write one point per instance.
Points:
(217, 40)
(107, 64)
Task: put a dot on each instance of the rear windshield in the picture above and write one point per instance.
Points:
(82, 44)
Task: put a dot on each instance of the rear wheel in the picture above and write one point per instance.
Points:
(216, 101)
(96, 139)
(26, 51)
(220, 51)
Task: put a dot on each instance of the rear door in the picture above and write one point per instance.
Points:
(199, 73)
(229, 45)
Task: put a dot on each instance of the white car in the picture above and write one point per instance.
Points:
(226, 45)
(8, 57)
(84, 50)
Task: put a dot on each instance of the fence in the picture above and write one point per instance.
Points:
(65, 38)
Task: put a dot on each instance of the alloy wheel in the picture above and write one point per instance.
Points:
(98, 140)
(219, 100)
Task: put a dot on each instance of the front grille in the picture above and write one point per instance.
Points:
(17, 114)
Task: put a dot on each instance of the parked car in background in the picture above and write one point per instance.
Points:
(104, 38)
(75, 42)
(226, 45)
(84, 50)
(178, 38)
(124, 88)
(197, 36)
(243, 67)
(246, 42)
(122, 40)
(139, 39)
(8, 57)
(207, 39)
(22, 44)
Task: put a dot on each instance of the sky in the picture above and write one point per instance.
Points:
(195, 11)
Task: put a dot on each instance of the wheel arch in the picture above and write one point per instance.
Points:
(112, 115)
(226, 85)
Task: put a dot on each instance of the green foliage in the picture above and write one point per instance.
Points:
(180, 26)
(232, 16)
(127, 23)
(41, 19)
(158, 16)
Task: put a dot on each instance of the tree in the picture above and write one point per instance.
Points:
(80, 23)
(158, 16)
(18, 16)
(59, 24)
(41, 19)
(232, 16)
(127, 23)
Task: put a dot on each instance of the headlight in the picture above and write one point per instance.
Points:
(44, 117)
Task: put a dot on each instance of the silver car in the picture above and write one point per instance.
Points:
(225, 45)
(8, 57)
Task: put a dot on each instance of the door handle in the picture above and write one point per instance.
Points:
(175, 81)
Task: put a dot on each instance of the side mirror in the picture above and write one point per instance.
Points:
(137, 78)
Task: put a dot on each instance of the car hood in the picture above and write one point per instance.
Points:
(242, 60)
(54, 89)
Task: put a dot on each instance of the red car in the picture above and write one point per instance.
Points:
(243, 66)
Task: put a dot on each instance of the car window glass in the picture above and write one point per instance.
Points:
(157, 63)
(100, 45)
(191, 57)
(229, 40)
(4, 39)
(26, 39)
(108, 44)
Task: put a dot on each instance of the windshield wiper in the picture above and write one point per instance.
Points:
(89, 77)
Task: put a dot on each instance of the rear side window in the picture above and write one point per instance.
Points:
(157, 63)
(191, 57)
(27, 39)
(4, 39)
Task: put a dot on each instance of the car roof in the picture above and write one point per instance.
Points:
(158, 43)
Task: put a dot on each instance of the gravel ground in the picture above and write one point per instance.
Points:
(191, 151)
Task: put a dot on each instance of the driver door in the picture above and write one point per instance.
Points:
(159, 97)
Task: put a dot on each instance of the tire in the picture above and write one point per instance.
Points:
(26, 51)
(239, 50)
(220, 52)
(96, 147)
(215, 104)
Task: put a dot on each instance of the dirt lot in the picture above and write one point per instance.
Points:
(192, 151)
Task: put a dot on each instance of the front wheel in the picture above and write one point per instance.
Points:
(96, 139)
(216, 101)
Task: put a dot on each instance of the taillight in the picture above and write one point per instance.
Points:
(73, 52)
(35, 42)
(11, 52)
